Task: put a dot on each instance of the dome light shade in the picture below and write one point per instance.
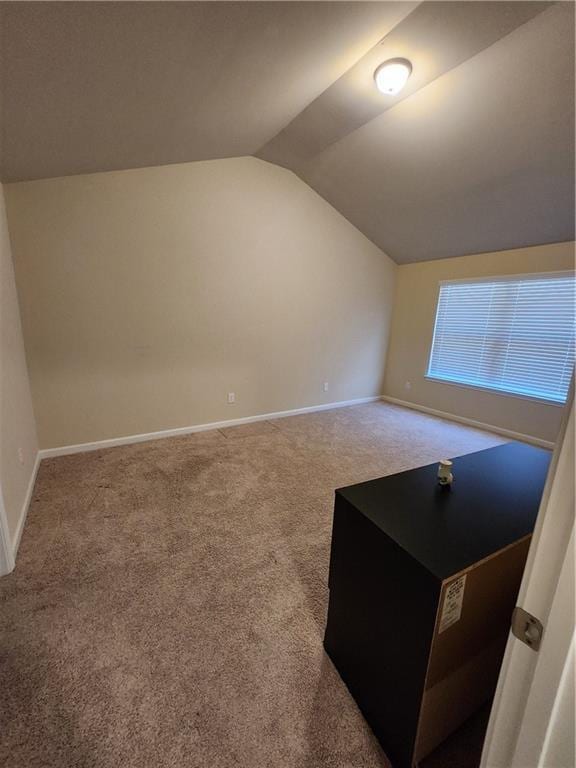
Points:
(391, 76)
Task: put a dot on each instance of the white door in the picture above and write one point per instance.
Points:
(532, 719)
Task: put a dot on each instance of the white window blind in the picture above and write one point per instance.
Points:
(510, 335)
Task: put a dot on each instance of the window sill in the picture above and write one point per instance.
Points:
(493, 391)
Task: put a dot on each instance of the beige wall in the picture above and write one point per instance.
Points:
(18, 445)
(413, 326)
(148, 295)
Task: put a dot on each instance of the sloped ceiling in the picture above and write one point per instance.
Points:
(96, 86)
(476, 154)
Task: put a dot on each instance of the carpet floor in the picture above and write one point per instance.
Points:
(168, 604)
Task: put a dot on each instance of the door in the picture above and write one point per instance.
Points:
(532, 719)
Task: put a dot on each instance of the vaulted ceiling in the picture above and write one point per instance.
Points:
(476, 154)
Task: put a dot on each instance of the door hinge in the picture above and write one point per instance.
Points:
(527, 628)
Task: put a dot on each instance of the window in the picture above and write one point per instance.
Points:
(510, 335)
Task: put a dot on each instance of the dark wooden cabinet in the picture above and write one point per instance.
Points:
(423, 581)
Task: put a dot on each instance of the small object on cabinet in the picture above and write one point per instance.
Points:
(445, 476)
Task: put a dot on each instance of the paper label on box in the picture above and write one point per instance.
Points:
(452, 607)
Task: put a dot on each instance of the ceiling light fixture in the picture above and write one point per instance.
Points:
(391, 76)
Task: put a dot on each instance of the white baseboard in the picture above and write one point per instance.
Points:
(66, 450)
(26, 505)
(471, 422)
(8, 548)
(6, 555)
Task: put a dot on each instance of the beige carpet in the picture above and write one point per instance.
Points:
(168, 604)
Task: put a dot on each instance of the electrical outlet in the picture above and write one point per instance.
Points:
(20, 455)
(231, 398)
(408, 386)
(325, 386)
